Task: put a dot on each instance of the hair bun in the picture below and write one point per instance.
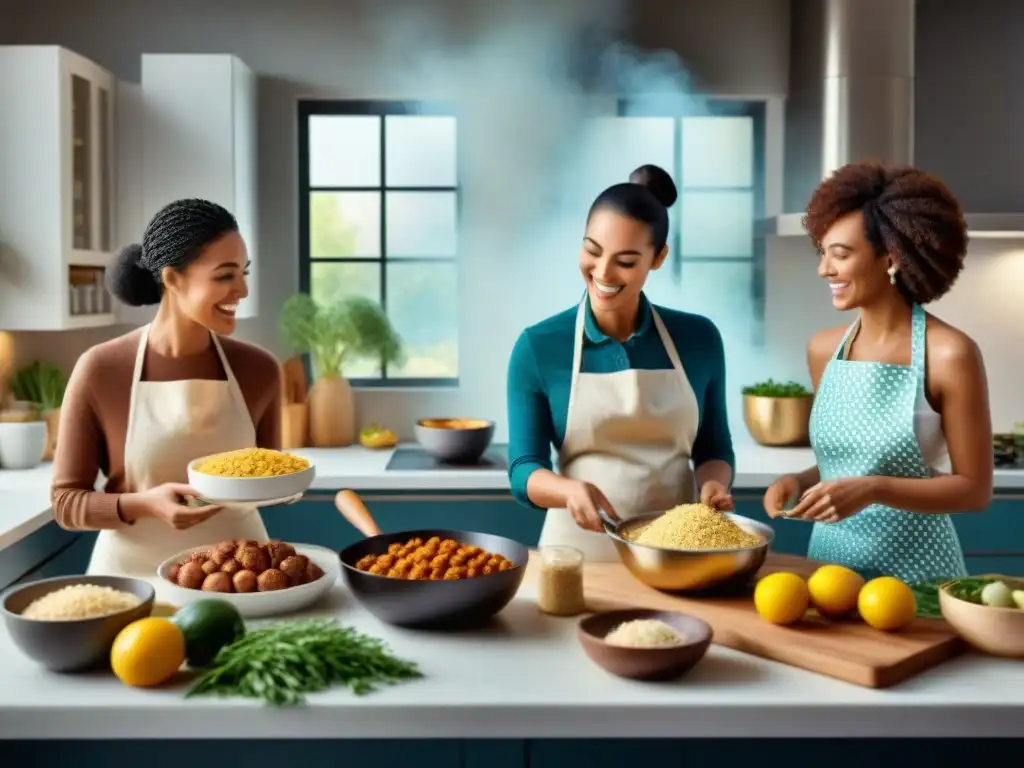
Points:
(658, 183)
(131, 282)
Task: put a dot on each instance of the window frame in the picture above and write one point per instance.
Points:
(656, 106)
(382, 108)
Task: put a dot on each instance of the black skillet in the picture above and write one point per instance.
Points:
(427, 604)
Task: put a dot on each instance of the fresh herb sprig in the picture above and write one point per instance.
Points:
(927, 593)
(772, 388)
(283, 662)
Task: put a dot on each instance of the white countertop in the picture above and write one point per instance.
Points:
(25, 494)
(527, 677)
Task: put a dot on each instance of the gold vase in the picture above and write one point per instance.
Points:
(778, 421)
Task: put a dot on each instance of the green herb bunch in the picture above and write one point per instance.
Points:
(42, 384)
(772, 388)
(927, 593)
(334, 334)
(283, 662)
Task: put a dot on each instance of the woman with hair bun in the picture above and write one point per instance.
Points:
(631, 395)
(901, 427)
(140, 407)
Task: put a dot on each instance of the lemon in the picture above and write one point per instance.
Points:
(781, 598)
(147, 652)
(886, 603)
(834, 590)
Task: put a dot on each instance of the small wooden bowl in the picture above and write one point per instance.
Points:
(653, 664)
(996, 631)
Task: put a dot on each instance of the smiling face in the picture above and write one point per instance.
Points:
(856, 275)
(208, 290)
(617, 254)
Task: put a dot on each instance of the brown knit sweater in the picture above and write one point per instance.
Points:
(94, 418)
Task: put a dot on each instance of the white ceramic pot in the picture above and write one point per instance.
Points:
(22, 444)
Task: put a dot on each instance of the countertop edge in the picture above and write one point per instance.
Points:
(357, 721)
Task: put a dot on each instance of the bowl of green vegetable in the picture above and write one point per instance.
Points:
(778, 414)
(986, 611)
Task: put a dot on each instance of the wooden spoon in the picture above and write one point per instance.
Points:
(353, 510)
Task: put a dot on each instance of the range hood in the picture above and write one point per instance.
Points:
(868, 101)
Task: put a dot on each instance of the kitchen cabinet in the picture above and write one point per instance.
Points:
(199, 133)
(72, 560)
(57, 189)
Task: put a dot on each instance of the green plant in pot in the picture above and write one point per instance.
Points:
(42, 385)
(778, 413)
(334, 335)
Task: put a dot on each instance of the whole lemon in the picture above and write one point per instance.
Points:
(887, 603)
(834, 590)
(147, 652)
(781, 598)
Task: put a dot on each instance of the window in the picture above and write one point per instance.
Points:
(715, 153)
(378, 217)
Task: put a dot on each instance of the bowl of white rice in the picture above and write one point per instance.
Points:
(68, 623)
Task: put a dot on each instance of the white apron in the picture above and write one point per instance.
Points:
(170, 423)
(629, 433)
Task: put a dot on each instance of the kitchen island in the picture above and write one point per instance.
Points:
(525, 677)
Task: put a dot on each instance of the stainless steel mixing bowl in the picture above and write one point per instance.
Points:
(675, 570)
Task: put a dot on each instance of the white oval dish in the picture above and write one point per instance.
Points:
(216, 489)
(253, 605)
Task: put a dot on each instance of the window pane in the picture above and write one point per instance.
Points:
(718, 151)
(344, 225)
(344, 151)
(718, 223)
(420, 151)
(423, 305)
(616, 146)
(722, 292)
(421, 224)
(330, 282)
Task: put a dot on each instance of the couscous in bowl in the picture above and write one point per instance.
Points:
(250, 475)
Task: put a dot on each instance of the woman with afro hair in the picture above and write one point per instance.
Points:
(901, 427)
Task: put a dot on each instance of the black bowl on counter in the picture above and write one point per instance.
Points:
(455, 441)
(77, 644)
(460, 604)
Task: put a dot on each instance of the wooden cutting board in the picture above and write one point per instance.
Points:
(847, 650)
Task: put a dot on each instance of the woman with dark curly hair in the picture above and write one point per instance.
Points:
(901, 427)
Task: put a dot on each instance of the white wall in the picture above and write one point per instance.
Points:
(985, 303)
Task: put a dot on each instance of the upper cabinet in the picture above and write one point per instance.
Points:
(199, 132)
(57, 189)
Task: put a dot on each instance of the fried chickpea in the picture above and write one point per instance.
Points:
(231, 566)
(244, 581)
(210, 566)
(217, 582)
(191, 575)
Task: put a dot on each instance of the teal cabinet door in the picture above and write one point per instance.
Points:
(997, 531)
(791, 536)
(315, 520)
(72, 560)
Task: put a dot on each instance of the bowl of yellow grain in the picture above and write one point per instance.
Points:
(250, 475)
(692, 547)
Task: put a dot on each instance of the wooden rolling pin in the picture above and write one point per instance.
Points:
(353, 510)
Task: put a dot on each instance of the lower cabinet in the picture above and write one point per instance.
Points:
(315, 520)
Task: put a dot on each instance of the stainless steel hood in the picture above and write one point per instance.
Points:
(868, 100)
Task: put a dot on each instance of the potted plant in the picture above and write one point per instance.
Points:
(23, 436)
(42, 385)
(333, 335)
(778, 414)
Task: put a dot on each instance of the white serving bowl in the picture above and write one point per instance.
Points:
(257, 604)
(214, 488)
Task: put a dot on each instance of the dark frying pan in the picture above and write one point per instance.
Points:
(427, 604)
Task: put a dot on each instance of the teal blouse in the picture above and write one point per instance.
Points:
(539, 373)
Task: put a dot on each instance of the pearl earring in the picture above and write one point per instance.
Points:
(892, 275)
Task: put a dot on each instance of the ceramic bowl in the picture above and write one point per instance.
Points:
(71, 646)
(996, 631)
(257, 604)
(213, 488)
(449, 441)
(645, 663)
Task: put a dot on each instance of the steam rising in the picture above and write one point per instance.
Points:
(537, 89)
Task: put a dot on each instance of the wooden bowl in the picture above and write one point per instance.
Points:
(996, 631)
(652, 664)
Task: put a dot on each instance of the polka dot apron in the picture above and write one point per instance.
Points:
(862, 424)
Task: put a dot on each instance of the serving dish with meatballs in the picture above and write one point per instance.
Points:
(258, 578)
